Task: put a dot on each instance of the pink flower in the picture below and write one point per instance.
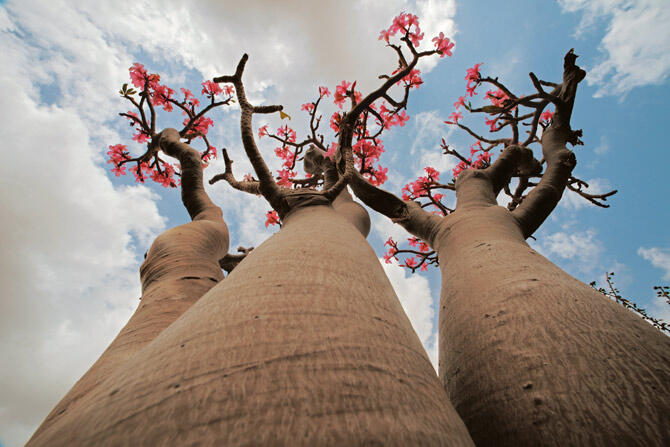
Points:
(401, 118)
(117, 153)
(470, 89)
(385, 35)
(379, 176)
(308, 107)
(138, 74)
(119, 170)
(472, 74)
(547, 116)
(140, 137)
(410, 262)
(492, 124)
(443, 45)
(460, 102)
(161, 96)
(248, 178)
(497, 98)
(287, 133)
(412, 79)
(209, 154)
(211, 88)
(323, 91)
(455, 117)
(272, 218)
(390, 242)
(432, 173)
(229, 90)
(335, 121)
(284, 179)
(201, 125)
(262, 131)
(477, 146)
(341, 93)
(484, 158)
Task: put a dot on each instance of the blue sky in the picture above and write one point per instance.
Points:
(75, 234)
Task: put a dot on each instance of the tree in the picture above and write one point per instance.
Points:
(528, 354)
(304, 343)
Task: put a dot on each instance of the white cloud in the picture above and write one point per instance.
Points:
(603, 147)
(635, 46)
(659, 258)
(581, 248)
(71, 248)
(415, 296)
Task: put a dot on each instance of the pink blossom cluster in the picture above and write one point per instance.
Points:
(421, 187)
(443, 45)
(497, 98)
(209, 154)
(481, 159)
(342, 92)
(117, 154)
(164, 175)
(412, 80)
(409, 261)
(162, 96)
(405, 24)
(473, 76)
(201, 125)
(287, 155)
(367, 153)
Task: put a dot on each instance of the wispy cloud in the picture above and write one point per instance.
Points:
(634, 47)
(659, 258)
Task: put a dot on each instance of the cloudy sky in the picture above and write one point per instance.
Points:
(73, 235)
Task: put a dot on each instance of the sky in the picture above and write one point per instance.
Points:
(73, 235)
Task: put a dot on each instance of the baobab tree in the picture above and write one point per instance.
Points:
(528, 354)
(305, 341)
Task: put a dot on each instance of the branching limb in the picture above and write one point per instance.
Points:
(251, 187)
(576, 185)
(410, 215)
(514, 160)
(560, 161)
(267, 186)
(193, 195)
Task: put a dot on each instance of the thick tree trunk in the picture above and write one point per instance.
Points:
(304, 343)
(180, 267)
(529, 355)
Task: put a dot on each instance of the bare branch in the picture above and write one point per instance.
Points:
(251, 187)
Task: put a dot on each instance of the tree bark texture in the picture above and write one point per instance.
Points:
(304, 344)
(180, 267)
(529, 355)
